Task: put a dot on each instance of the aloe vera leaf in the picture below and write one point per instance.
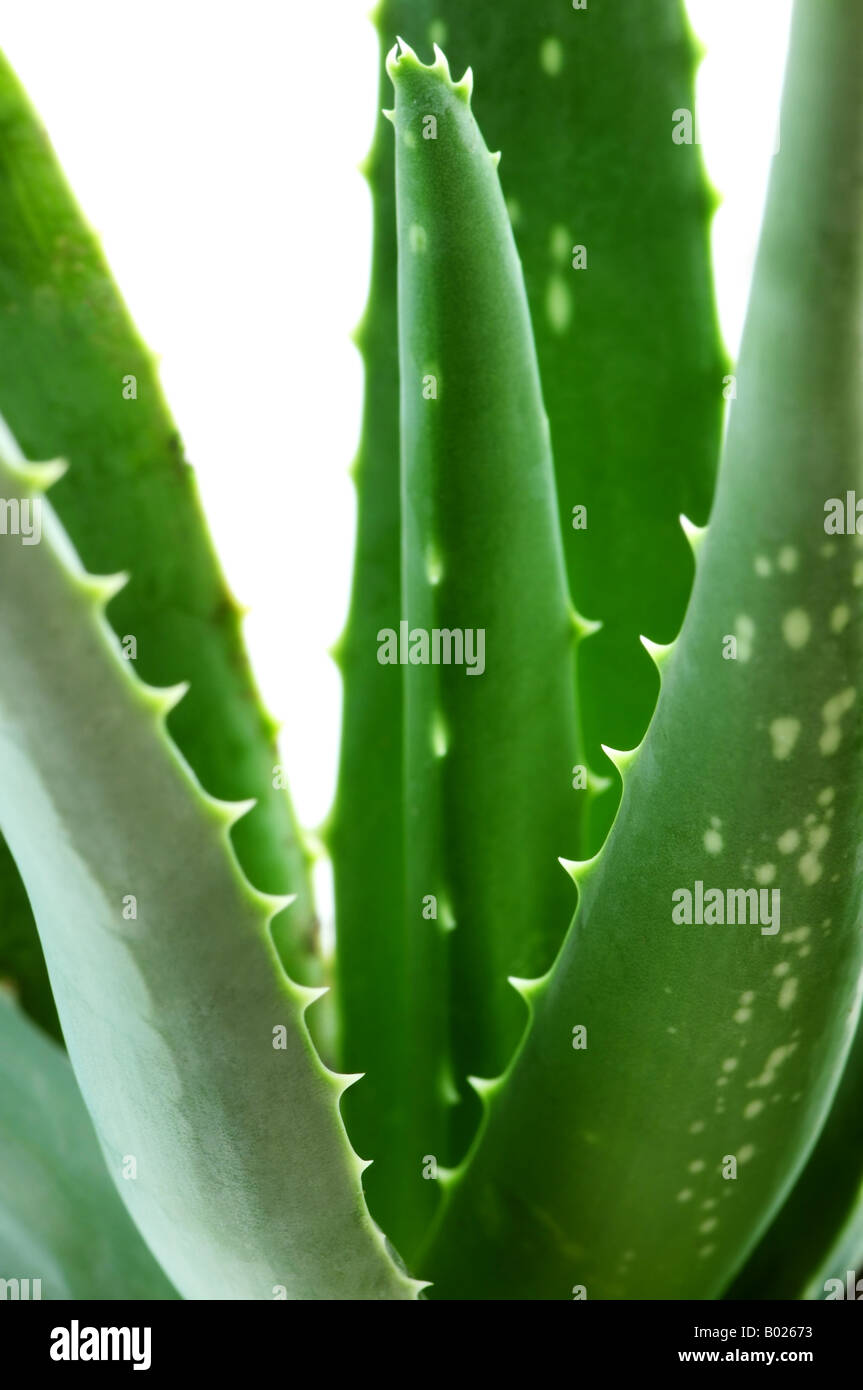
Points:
(630, 358)
(129, 502)
(364, 831)
(601, 1168)
(61, 1221)
(544, 178)
(187, 1038)
(481, 554)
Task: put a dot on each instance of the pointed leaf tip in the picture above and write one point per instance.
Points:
(657, 651)
(694, 534)
(583, 627)
(465, 86)
(623, 758)
(399, 51)
(573, 867)
(43, 476)
(345, 1080)
(165, 698)
(527, 988)
(578, 869)
(278, 902)
(483, 1085)
(104, 587)
(226, 812)
(309, 994)
(441, 63)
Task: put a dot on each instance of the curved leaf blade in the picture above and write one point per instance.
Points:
(187, 1038)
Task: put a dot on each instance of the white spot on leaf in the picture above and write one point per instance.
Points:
(839, 617)
(784, 733)
(796, 628)
(558, 304)
(551, 55)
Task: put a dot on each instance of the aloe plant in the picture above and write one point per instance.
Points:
(651, 1110)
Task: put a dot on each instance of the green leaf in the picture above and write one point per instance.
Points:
(60, 1219)
(70, 358)
(187, 1038)
(481, 559)
(609, 1166)
(635, 373)
(364, 834)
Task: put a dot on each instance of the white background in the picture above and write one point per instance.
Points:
(214, 146)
